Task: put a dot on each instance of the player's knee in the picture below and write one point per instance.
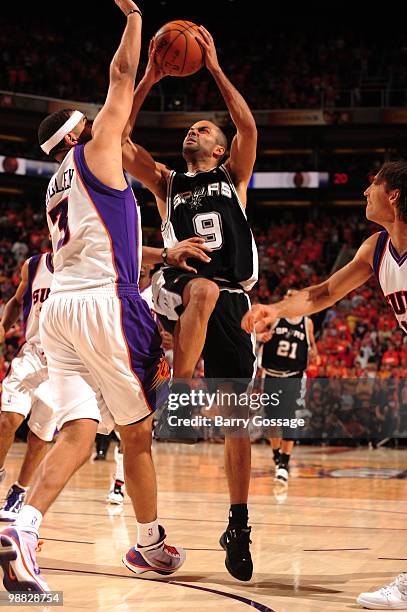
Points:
(10, 422)
(34, 442)
(204, 294)
(137, 437)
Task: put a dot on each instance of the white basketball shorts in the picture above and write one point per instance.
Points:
(26, 389)
(104, 356)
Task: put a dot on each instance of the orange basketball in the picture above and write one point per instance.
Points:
(177, 52)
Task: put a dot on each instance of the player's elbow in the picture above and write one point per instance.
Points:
(248, 128)
(121, 69)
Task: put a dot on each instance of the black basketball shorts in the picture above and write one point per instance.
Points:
(290, 392)
(229, 351)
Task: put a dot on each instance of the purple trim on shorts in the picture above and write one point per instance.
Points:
(118, 212)
(143, 340)
(27, 299)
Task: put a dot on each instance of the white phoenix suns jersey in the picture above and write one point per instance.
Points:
(391, 271)
(40, 273)
(95, 229)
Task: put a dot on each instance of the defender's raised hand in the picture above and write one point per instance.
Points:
(259, 318)
(127, 5)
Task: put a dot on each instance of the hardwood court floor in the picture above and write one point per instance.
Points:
(340, 530)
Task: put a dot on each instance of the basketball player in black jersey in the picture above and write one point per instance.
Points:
(207, 304)
(284, 355)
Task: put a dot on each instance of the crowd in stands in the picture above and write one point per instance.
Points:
(277, 69)
(358, 338)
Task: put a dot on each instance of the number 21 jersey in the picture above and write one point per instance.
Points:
(206, 204)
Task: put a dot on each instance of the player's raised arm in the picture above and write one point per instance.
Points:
(243, 149)
(318, 297)
(12, 309)
(136, 160)
(103, 152)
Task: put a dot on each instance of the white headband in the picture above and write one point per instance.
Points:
(62, 132)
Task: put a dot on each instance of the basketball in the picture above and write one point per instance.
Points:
(177, 51)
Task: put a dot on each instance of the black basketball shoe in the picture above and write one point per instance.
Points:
(236, 543)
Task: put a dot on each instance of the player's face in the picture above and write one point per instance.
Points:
(85, 130)
(379, 208)
(145, 270)
(201, 137)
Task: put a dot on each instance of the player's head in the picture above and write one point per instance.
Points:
(204, 140)
(62, 130)
(145, 270)
(387, 194)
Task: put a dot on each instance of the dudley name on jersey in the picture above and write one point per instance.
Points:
(206, 204)
(286, 353)
(40, 273)
(391, 271)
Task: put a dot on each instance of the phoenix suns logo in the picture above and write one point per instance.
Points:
(163, 373)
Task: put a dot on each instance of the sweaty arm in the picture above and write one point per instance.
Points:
(243, 149)
(103, 153)
(136, 160)
(317, 297)
(12, 309)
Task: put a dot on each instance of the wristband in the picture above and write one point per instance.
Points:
(136, 10)
(164, 255)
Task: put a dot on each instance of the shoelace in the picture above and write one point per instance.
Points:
(399, 582)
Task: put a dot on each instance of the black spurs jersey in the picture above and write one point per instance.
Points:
(206, 204)
(286, 353)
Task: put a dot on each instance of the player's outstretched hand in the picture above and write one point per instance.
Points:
(186, 249)
(153, 70)
(259, 318)
(206, 41)
(2, 333)
(126, 6)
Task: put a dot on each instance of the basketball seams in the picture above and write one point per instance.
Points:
(189, 27)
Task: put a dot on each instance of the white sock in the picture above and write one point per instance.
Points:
(20, 486)
(29, 519)
(119, 464)
(147, 533)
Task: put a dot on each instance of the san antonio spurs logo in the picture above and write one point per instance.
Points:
(196, 198)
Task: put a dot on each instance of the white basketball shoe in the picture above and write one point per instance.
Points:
(391, 597)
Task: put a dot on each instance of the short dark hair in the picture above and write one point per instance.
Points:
(50, 125)
(222, 141)
(394, 175)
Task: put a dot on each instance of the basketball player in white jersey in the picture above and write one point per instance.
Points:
(204, 310)
(25, 387)
(385, 255)
(103, 347)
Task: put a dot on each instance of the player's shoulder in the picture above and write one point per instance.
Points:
(368, 248)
